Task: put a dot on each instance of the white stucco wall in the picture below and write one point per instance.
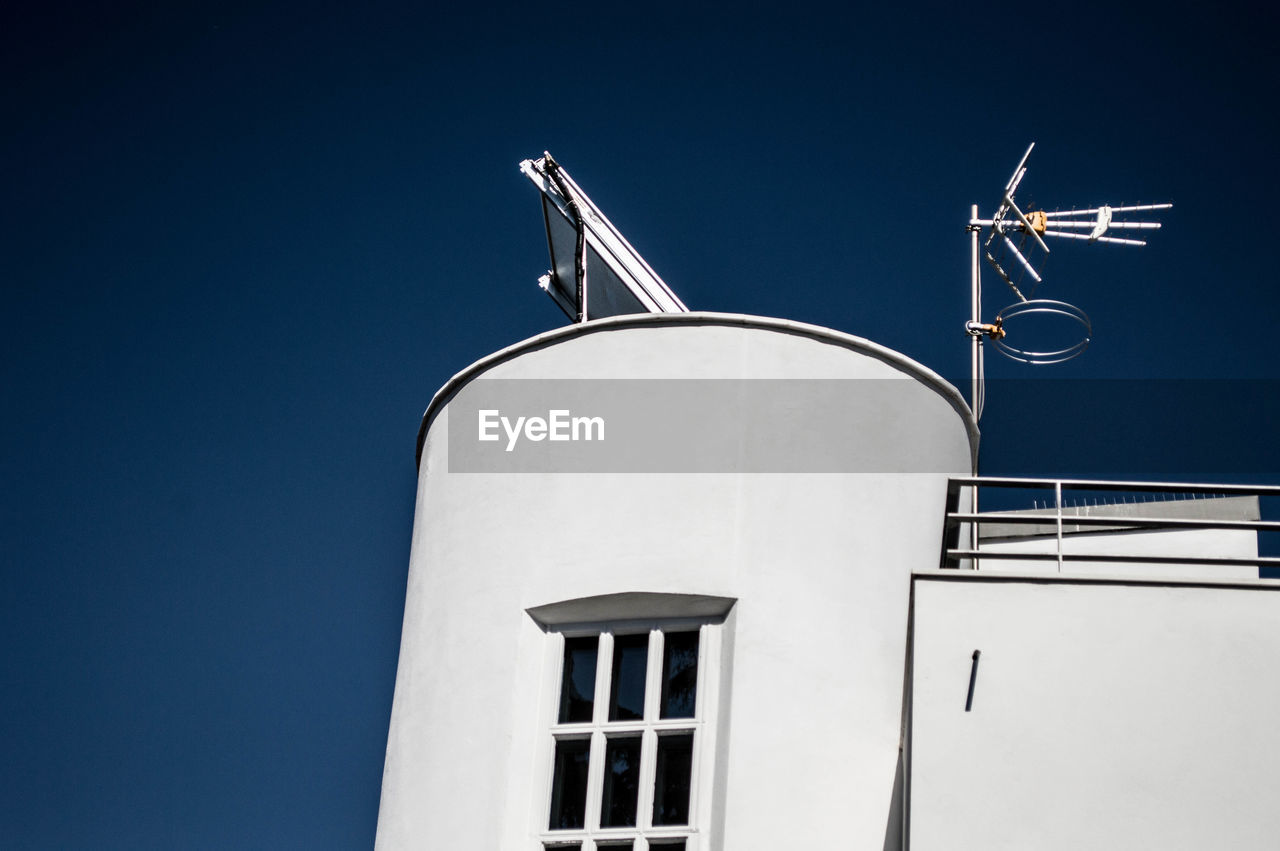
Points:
(1105, 714)
(819, 565)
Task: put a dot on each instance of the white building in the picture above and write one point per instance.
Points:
(716, 590)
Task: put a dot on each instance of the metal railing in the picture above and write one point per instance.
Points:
(1071, 519)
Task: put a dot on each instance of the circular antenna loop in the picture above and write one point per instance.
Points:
(1048, 309)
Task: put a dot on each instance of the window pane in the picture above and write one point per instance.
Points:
(627, 843)
(667, 844)
(621, 782)
(671, 783)
(679, 675)
(569, 785)
(630, 658)
(578, 684)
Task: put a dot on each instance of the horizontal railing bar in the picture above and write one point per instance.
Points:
(1111, 520)
(1260, 561)
(1100, 485)
(1059, 516)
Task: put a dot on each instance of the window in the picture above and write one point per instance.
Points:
(630, 730)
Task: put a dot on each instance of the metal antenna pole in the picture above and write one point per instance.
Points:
(975, 358)
(975, 314)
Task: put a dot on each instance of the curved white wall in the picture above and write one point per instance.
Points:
(819, 565)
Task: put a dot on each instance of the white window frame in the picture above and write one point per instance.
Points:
(644, 836)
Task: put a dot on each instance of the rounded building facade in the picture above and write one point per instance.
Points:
(659, 588)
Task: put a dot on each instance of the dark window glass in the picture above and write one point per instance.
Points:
(578, 684)
(627, 844)
(630, 657)
(572, 846)
(569, 785)
(667, 845)
(671, 781)
(679, 675)
(621, 782)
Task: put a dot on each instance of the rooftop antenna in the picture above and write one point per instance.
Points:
(1009, 223)
(1020, 235)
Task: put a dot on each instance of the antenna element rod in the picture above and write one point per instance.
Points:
(1094, 210)
(1114, 239)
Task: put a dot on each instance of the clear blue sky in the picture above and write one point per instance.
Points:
(243, 245)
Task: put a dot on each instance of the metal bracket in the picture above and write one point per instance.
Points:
(994, 331)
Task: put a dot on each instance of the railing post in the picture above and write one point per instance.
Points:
(974, 538)
(950, 527)
(1057, 493)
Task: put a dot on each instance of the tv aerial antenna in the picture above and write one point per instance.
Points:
(1020, 237)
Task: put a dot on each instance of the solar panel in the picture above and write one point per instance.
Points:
(594, 270)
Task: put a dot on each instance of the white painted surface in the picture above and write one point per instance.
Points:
(810, 696)
(1181, 543)
(1104, 715)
